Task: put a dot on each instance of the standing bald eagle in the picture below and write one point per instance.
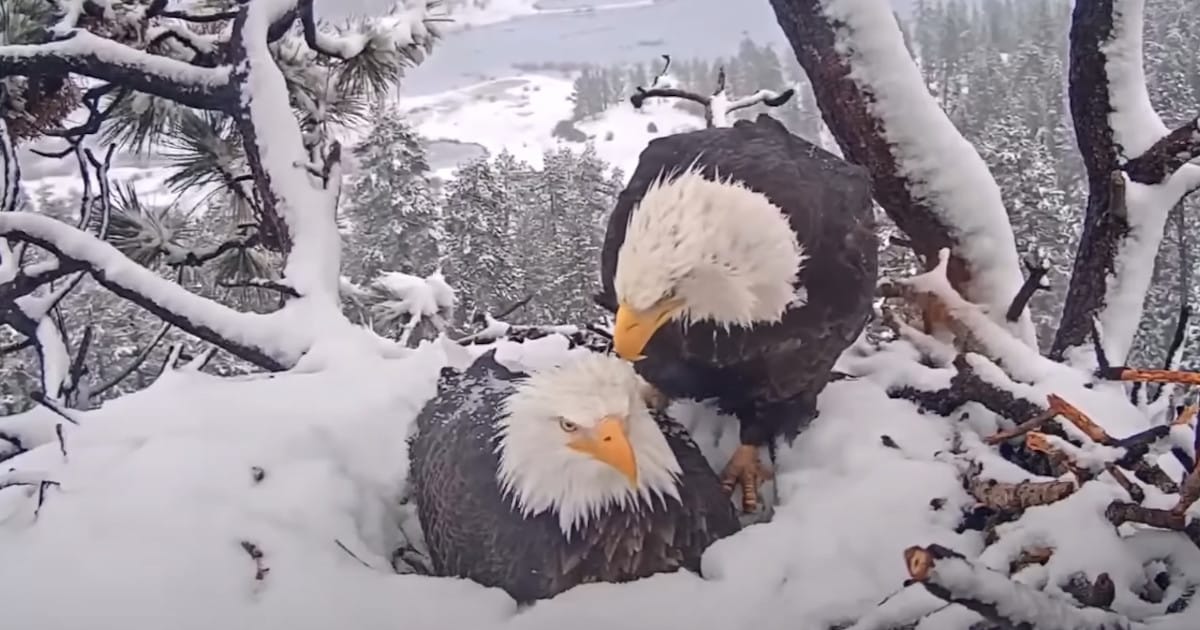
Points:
(564, 477)
(740, 262)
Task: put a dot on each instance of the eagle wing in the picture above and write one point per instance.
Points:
(474, 532)
(471, 529)
(758, 371)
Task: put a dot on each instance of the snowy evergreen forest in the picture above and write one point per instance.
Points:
(997, 68)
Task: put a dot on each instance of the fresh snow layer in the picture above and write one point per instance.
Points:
(518, 114)
(945, 169)
(470, 15)
(157, 494)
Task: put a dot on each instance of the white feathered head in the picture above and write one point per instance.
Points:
(578, 439)
(698, 248)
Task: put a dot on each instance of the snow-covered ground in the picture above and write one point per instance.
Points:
(150, 184)
(518, 114)
(164, 495)
(498, 11)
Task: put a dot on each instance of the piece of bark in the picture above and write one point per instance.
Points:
(1129, 374)
(1015, 497)
(1029, 557)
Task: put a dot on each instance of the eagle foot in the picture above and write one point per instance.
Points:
(746, 471)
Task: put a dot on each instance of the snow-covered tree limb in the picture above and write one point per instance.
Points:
(1137, 171)
(928, 178)
(249, 336)
(98, 57)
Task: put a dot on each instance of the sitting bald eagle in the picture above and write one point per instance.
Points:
(564, 477)
(740, 262)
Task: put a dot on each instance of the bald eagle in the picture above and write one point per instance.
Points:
(740, 263)
(537, 482)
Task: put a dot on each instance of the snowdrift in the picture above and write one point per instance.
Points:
(277, 502)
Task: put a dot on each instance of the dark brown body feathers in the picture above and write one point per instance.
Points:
(769, 376)
(474, 532)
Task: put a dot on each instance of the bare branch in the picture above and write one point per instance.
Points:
(1035, 281)
(642, 94)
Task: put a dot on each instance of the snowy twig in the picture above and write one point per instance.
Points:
(968, 386)
(717, 107)
(949, 576)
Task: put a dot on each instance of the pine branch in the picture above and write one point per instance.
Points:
(78, 52)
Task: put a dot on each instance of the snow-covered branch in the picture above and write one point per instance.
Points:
(98, 57)
(1137, 171)
(969, 323)
(718, 106)
(251, 336)
(949, 576)
(403, 302)
(928, 178)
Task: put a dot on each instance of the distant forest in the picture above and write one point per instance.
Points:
(996, 66)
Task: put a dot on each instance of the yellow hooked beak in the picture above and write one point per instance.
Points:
(634, 328)
(609, 444)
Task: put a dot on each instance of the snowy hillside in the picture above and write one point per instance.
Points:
(275, 502)
(519, 114)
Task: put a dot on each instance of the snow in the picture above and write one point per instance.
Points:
(284, 335)
(470, 15)
(518, 114)
(412, 299)
(942, 166)
(1136, 127)
(83, 44)
(158, 491)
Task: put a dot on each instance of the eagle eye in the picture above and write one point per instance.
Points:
(567, 425)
